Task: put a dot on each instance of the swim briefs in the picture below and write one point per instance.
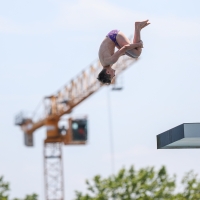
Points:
(112, 35)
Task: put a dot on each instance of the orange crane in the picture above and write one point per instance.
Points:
(55, 106)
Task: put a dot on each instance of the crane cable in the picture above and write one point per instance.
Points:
(36, 109)
(111, 133)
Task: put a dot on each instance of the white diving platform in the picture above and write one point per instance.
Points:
(184, 136)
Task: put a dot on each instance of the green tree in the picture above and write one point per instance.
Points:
(145, 184)
(5, 188)
(191, 187)
(29, 197)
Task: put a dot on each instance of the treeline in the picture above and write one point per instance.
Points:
(130, 184)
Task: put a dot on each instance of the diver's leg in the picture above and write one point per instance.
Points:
(122, 40)
(137, 39)
(138, 27)
(137, 36)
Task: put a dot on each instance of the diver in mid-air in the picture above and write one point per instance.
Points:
(108, 56)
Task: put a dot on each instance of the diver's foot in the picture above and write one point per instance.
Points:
(141, 25)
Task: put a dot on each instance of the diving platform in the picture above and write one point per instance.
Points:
(184, 136)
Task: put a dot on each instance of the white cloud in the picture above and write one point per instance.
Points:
(7, 26)
(11, 26)
(176, 27)
(88, 14)
(98, 15)
(136, 151)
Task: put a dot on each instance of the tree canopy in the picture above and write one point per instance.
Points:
(130, 184)
(5, 188)
(144, 184)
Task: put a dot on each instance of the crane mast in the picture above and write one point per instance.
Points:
(55, 106)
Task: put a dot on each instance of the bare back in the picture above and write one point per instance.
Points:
(106, 50)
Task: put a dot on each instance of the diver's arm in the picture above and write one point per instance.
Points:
(113, 59)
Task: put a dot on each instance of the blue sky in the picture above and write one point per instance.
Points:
(44, 44)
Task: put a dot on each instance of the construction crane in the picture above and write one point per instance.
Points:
(55, 106)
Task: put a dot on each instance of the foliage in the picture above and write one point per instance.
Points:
(4, 189)
(191, 189)
(145, 184)
(29, 197)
